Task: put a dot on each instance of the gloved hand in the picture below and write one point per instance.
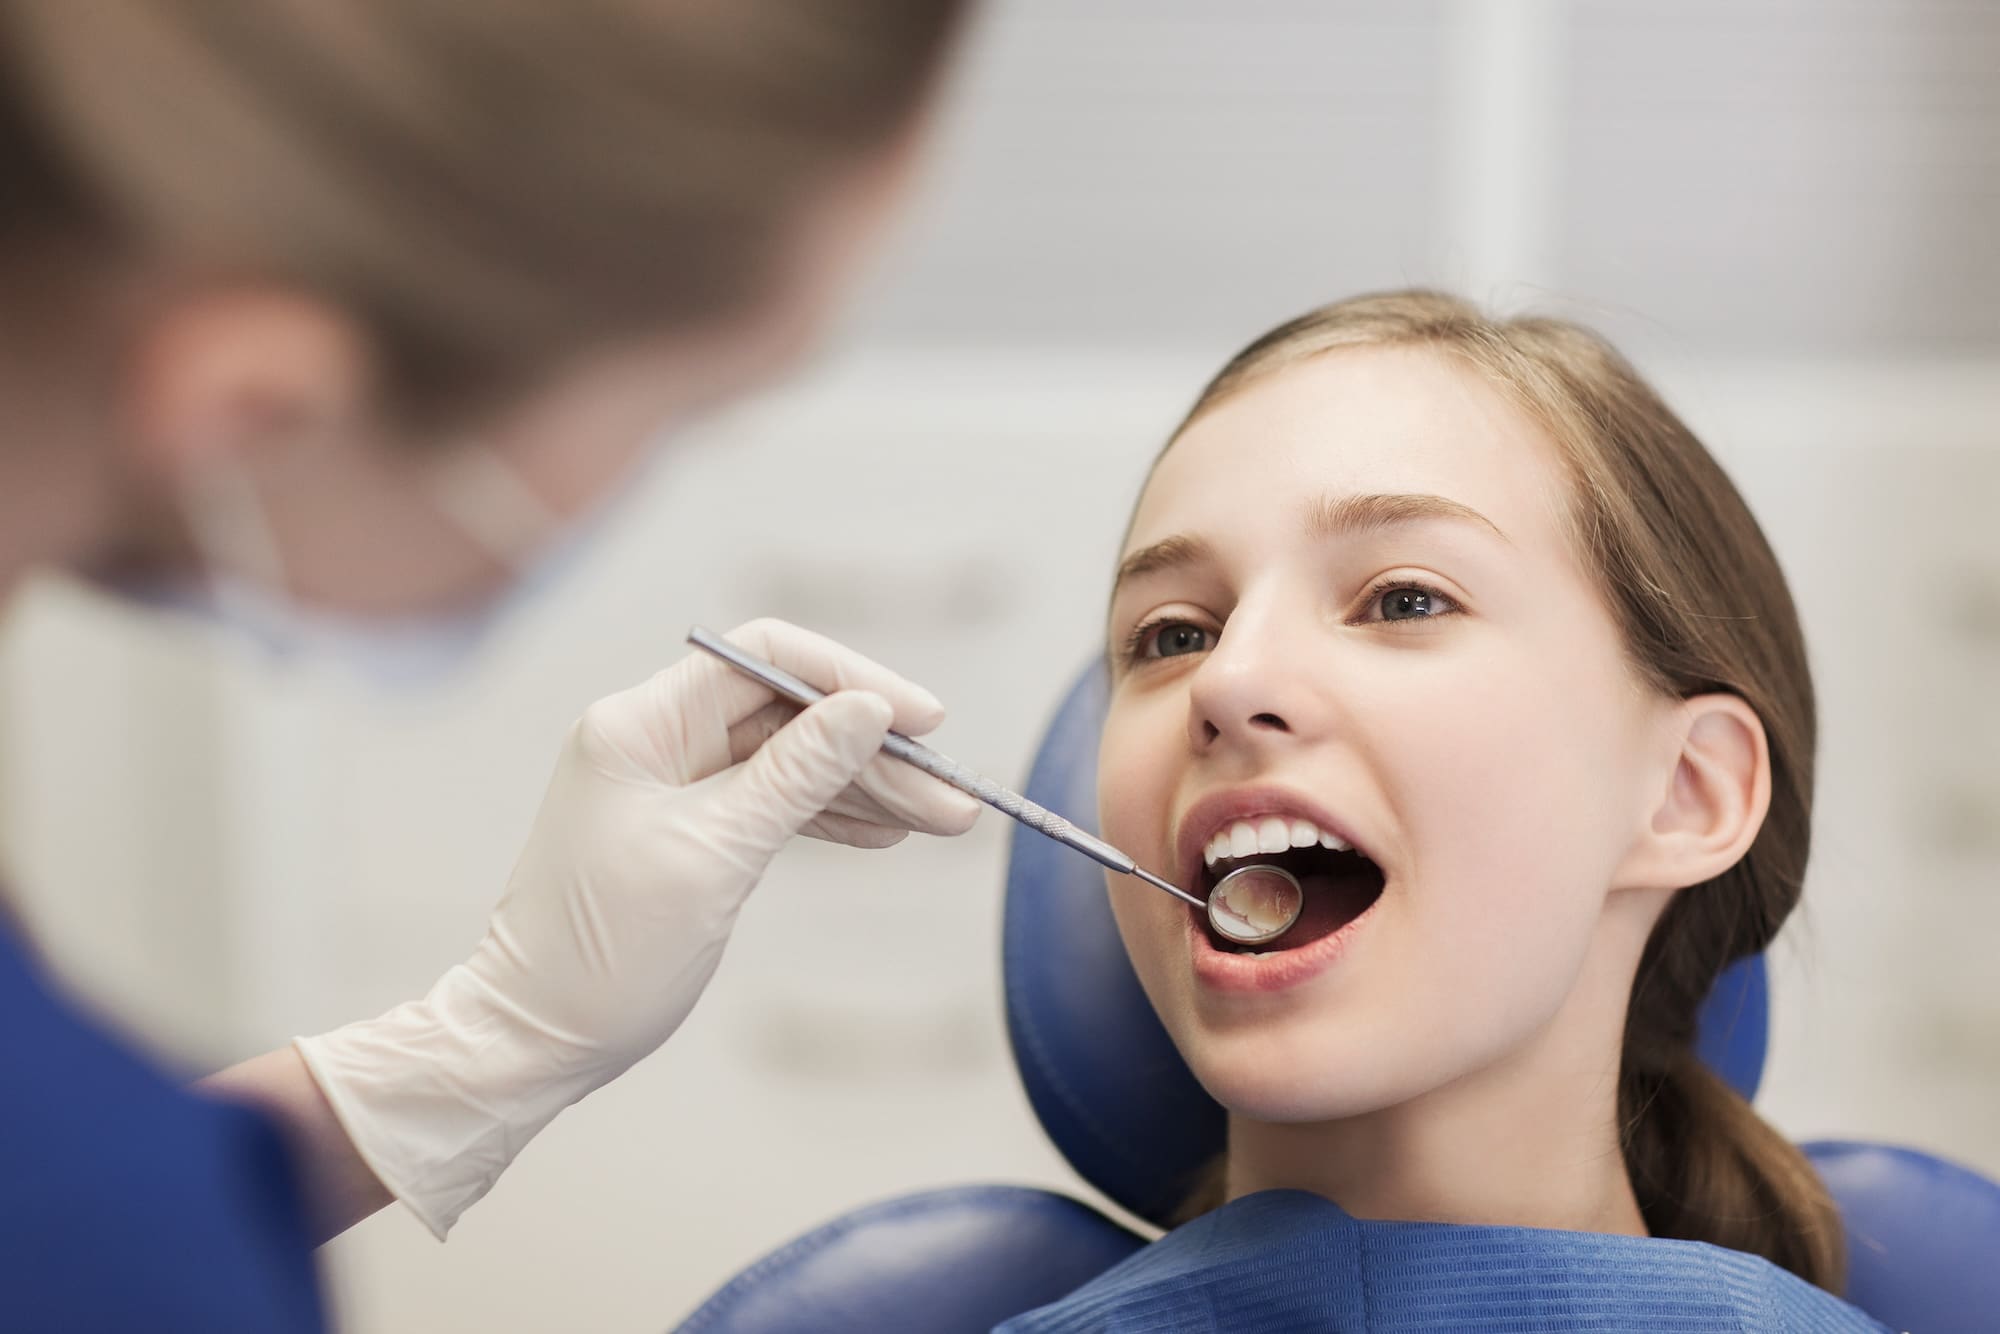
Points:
(667, 803)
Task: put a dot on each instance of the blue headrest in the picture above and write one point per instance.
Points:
(1104, 1078)
(1921, 1235)
(963, 1258)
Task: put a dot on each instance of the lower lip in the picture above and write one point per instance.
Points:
(1222, 971)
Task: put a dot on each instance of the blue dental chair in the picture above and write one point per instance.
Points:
(1923, 1234)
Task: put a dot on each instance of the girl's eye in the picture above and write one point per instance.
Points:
(1170, 639)
(1412, 602)
(1178, 638)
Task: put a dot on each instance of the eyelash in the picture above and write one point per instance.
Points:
(1135, 642)
(1133, 650)
(1431, 591)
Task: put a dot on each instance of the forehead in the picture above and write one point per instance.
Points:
(1361, 420)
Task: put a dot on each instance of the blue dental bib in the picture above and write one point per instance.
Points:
(1284, 1261)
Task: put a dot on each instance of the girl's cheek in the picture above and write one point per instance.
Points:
(1120, 768)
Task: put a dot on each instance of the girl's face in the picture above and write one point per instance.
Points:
(1349, 613)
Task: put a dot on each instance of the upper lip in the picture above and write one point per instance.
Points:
(1199, 823)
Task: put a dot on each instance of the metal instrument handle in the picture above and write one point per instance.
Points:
(942, 767)
(1005, 800)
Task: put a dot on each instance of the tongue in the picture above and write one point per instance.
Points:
(1332, 901)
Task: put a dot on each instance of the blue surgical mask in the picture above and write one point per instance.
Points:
(243, 584)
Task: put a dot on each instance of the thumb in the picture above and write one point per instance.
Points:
(809, 761)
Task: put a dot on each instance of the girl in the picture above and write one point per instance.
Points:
(1455, 620)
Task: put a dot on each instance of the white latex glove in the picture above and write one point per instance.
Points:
(667, 803)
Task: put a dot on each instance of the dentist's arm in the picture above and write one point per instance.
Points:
(667, 803)
(340, 1187)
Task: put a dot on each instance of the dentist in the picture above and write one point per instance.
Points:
(330, 320)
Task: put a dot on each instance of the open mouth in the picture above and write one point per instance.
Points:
(1338, 882)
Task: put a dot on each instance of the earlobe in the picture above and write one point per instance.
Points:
(231, 370)
(1715, 798)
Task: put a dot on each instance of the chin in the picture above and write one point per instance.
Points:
(1278, 1077)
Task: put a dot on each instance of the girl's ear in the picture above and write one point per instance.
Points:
(1715, 798)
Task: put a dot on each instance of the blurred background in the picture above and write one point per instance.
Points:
(1784, 210)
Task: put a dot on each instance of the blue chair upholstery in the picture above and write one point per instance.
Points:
(1923, 1234)
(961, 1259)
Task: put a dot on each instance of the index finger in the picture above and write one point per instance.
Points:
(814, 659)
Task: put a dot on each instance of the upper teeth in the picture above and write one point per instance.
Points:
(1273, 833)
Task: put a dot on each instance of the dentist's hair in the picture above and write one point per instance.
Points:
(1703, 607)
(490, 185)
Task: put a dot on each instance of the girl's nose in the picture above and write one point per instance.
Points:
(1260, 685)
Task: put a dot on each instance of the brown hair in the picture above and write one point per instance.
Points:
(1703, 607)
(490, 185)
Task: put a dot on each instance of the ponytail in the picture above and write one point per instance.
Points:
(1703, 1164)
(1706, 1167)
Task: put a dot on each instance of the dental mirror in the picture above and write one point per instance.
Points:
(1254, 905)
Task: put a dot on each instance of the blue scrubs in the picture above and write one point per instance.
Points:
(127, 1203)
(1282, 1261)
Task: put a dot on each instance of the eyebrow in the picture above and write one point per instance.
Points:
(1340, 516)
(1168, 554)
(1328, 516)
